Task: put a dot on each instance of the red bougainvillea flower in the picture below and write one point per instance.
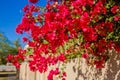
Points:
(17, 64)
(25, 39)
(99, 64)
(85, 55)
(116, 18)
(33, 1)
(114, 9)
(62, 57)
(64, 74)
(10, 57)
(63, 79)
(53, 73)
(117, 47)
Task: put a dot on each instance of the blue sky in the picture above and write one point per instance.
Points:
(11, 15)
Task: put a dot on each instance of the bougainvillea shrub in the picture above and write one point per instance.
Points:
(67, 29)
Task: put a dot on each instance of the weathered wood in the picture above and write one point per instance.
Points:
(80, 71)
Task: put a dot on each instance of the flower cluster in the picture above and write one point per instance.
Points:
(55, 73)
(17, 59)
(68, 29)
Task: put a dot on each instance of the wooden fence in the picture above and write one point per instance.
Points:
(85, 72)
